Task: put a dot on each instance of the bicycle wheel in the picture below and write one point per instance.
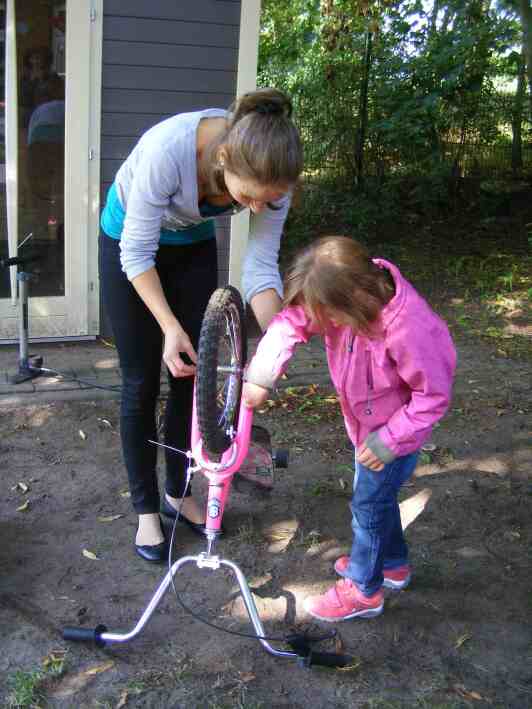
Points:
(222, 353)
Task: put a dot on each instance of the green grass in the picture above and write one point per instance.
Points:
(27, 685)
(25, 689)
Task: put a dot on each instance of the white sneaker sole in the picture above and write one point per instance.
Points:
(389, 583)
(369, 613)
(397, 585)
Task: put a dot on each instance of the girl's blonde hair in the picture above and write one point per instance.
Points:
(260, 143)
(337, 272)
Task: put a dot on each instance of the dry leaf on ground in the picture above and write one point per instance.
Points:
(90, 555)
(110, 518)
(123, 699)
(466, 694)
(71, 684)
(462, 639)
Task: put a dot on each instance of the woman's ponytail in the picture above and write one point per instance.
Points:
(262, 143)
(266, 102)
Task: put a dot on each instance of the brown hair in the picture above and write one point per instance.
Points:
(337, 272)
(261, 143)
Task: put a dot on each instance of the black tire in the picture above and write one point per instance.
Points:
(222, 343)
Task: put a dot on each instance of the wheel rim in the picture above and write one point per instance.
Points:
(229, 370)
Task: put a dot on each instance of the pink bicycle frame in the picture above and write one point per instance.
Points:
(220, 474)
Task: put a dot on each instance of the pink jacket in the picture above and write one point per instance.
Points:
(392, 390)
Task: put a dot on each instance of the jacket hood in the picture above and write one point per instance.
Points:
(392, 309)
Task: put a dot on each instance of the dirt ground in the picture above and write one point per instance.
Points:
(459, 636)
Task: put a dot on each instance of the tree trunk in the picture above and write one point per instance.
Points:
(517, 117)
(363, 113)
(434, 18)
(526, 21)
(446, 19)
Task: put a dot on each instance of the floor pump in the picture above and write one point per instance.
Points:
(29, 366)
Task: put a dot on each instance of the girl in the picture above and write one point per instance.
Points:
(158, 270)
(392, 361)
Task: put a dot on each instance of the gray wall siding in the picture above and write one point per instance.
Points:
(160, 58)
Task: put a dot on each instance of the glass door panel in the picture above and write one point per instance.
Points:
(45, 119)
(40, 63)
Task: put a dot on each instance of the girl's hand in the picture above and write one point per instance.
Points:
(253, 395)
(177, 341)
(365, 456)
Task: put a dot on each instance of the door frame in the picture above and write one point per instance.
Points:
(76, 314)
(248, 51)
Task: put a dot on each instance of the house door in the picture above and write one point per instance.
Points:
(44, 163)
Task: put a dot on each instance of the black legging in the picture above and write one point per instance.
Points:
(188, 276)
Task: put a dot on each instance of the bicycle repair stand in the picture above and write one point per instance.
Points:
(219, 476)
(29, 366)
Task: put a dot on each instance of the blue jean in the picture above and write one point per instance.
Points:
(378, 541)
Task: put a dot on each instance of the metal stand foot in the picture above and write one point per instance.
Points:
(101, 636)
(27, 369)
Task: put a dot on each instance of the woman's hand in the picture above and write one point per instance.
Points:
(253, 395)
(176, 341)
(366, 457)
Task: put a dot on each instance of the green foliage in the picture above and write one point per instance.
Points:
(434, 80)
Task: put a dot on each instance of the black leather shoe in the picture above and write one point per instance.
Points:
(156, 553)
(196, 527)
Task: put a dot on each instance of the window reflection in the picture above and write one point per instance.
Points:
(40, 39)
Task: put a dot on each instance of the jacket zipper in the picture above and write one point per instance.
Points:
(349, 348)
(369, 379)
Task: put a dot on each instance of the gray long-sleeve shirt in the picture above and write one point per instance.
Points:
(158, 188)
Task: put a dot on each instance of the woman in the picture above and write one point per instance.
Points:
(158, 269)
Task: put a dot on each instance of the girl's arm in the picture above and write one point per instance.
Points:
(254, 395)
(426, 360)
(288, 329)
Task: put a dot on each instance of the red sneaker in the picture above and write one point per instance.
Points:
(397, 579)
(344, 601)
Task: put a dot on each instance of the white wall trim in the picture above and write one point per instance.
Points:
(248, 52)
(76, 314)
(11, 140)
(95, 122)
